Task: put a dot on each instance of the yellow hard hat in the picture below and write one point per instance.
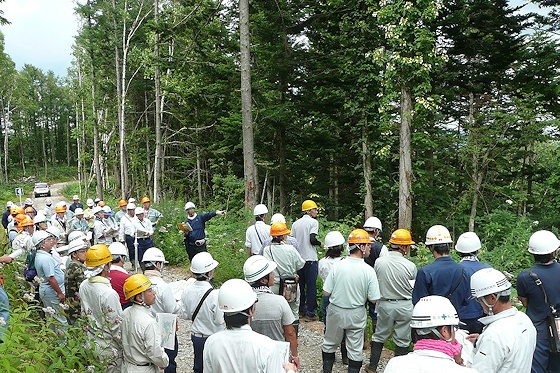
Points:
(98, 255)
(146, 199)
(59, 209)
(308, 205)
(401, 237)
(136, 284)
(279, 229)
(358, 236)
(122, 203)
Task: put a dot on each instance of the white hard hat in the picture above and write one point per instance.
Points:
(334, 238)
(131, 200)
(76, 245)
(543, 242)
(117, 248)
(76, 236)
(372, 223)
(53, 231)
(203, 262)
(28, 201)
(48, 202)
(106, 210)
(236, 296)
(256, 267)
(438, 234)
(76, 197)
(489, 281)
(39, 236)
(131, 206)
(89, 202)
(61, 204)
(260, 209)
(468, 242)
(138, 210)
(40, 218)
(78, 211)
(153, 254)
(9, 204)
(189, 205)
(433, 311)
(277, 218)
(97, 209)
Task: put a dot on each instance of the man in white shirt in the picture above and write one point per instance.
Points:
(127, 230)
(152, 264)
(144, 232)
(507, 343)
(305, 231)
(247, 351)
(257, 233)
(203, 297)
(101, 305)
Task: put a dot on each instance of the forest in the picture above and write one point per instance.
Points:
(417, 112)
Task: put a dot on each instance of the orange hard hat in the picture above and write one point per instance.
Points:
(20, 217)
(101, 203)
(358, 236)
(279, 229)
(27, 222)
(146, 199)
(16, 210)
(401, 237)
(59, 209)
(122, 203)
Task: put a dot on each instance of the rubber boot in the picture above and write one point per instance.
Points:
(399, 351)
(354, 366)
(328, 361)
(376, 348)
(344, 352)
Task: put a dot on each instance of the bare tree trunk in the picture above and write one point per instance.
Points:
(78, 143)
(68, 141)
(159, 147)
(476, 175)
(96, 164)
(198, 176)
(246, 115)
(405, 161)
(366, 161)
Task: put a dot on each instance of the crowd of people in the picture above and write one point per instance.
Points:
(453, 316)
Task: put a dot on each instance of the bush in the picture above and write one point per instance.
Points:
(31, 345)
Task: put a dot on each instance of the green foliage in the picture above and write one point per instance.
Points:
(31, 344)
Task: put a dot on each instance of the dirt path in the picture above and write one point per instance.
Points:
(56, 196)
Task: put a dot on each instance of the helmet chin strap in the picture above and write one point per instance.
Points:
(490, 306)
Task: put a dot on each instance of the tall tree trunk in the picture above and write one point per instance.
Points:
(159, 147)
(198, 176)
(246, 115)
(405, 162)
(476, 173)
(366, 161)
(68, 141)
(96, 164)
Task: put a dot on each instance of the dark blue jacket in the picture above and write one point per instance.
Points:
(443, 277)
(5, 221)
(473, 309)
(198, 225)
